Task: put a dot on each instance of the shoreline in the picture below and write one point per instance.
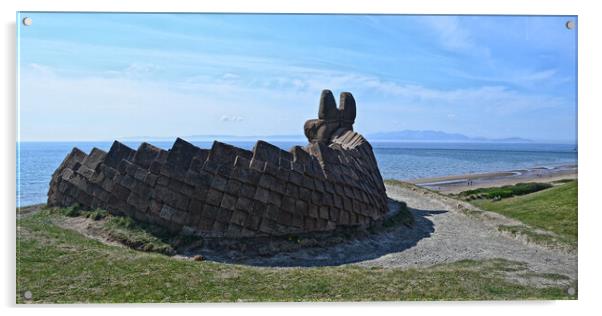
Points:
(459, 183)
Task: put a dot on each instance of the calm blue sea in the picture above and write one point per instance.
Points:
(36, 161)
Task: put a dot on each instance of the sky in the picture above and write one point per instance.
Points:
(100, 76)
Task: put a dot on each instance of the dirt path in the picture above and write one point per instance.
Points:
(457, 236)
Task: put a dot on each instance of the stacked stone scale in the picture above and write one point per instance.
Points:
(231, 192)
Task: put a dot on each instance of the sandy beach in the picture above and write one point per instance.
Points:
(459, 183)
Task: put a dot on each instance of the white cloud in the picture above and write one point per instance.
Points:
(451, 34)
(55, 106)
(231, 118)
(230, 76)
(140, 69)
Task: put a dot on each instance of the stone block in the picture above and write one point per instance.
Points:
(313, 210)
(301, 207)
(219, 227)
(257, 165)
(285, 218)
(252, 222)
(309, 224)
(272, 211)
(246, 175)
(223, 215)
(292, 190)
(239, 217)
(338, 189)
(337, 201)
(232, 187)
(297, 220)
(348, 191)
(146, 154)
(288, 204)
(95, 157)
(198, 160)
(268, 226)
(181, 153)
(209, 213)
(155, 167)
(211, 167)
(142, 189)
(117, 153)
(214, 197)
(278, 186)
(206, 224)
(266, 181)
(316, 197)
(244, 204)
(171, 197)
(167, 212)
(120, 192)
(225, 154)
(198, 178)
(298, 168)
(155, 207)
(196, 206)
(259, 208)
(162, 180)
(219, 183)
(324, 212)
(283, 174)
(267, 152)
(308, 183)
(85, 172)
(247, 191)
(261, 195)
(296, 178)
(347, 204)
(200, 193)
(305, 194)
(140, 203)
(225, 170)
(233, 230)
(228, 202)
(151, 179)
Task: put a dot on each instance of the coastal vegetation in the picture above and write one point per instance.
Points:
(60, 265)
(550, 214)
(504, 191)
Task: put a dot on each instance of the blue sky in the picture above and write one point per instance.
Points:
(106, 76)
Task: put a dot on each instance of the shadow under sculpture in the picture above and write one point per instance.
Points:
(231, 192)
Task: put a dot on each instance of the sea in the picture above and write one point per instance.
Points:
(36, 161)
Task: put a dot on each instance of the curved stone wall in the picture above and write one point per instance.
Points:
(227, 191)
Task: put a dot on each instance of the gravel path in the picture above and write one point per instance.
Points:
(443, 233)
(457, 236)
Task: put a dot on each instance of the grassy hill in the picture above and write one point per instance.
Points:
(59, 265)
(552, 210)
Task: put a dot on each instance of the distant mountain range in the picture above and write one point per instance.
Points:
(405, 135)
(437, 136)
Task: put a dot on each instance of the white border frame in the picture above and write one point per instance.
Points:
(589, 56)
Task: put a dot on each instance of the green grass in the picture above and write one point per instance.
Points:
(59, 265)
(136, 235)
(75, 211)
(553, 210)
(505, 191)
